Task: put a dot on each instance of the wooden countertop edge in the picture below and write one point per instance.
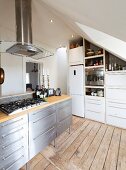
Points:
(51, 101)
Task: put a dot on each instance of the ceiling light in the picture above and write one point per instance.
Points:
(72, 36)
(51, 20)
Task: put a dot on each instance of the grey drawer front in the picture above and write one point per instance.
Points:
(64, 104)
(64, 125)
(41, 125)
(10, 147)
(9, 161)
(64, 112)
(12, 135)
(42, 113)
(11, 124)
(40, 142)
(15, 164)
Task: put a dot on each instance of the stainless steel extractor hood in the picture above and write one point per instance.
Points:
(23, 30)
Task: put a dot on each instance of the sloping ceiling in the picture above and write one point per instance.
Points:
(100, 21)
(108, 16)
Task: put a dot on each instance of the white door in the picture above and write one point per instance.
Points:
(78, 105)
(76, 80)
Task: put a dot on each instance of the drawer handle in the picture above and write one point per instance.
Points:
(43, 118)
(5, 147)
(117, 107)
(14, 162)
(3, 136)
(94, 100)
(43, 133)
(12, 122)
(115, 102)
(93, 111)
(117, 116)
(53, 110)
(4, 158)
(94, 103)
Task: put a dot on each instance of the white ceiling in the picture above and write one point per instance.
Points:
(107, 16)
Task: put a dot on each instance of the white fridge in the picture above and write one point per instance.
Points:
(76, 89)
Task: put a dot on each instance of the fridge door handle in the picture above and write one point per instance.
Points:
(74, 72)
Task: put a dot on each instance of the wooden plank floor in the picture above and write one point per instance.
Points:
(89, 146)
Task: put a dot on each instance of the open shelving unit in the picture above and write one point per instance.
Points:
(94, 68)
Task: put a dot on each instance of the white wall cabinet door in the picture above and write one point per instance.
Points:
(116, 79)
(76, 55)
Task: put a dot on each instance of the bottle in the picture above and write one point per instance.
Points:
(110, 64)
(115, 65)
(106, 67)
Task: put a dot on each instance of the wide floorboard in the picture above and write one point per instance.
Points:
(90, 146)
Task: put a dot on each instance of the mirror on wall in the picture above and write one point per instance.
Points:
(32, 75)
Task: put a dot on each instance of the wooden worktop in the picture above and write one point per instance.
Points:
(51, 100)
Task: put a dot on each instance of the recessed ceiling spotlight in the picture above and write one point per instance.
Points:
(72, 36)
(51, 20)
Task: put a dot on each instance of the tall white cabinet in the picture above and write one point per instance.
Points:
(76, 77)
(94, 82)
(103, 84)
(116, 98)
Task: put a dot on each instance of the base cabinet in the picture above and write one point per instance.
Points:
(42, 129)
(95, 108)
(14, 143)
(64, 116)
(116, 99)
(23, 137)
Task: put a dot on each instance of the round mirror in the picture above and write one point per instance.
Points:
(1, 76)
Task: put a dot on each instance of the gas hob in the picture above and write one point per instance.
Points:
(19, 105)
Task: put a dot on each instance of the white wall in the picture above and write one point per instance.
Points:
(62, 69)
(13, 67)
(57, 66)
(50, 66)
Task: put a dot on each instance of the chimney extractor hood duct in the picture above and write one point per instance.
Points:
(23, 30)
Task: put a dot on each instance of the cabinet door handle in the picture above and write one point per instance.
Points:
(12, 122)
(3, 136)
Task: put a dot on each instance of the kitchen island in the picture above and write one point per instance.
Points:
(25, 134)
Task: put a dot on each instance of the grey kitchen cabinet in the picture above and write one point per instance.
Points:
(64, 116)
(42, 129)
(14, 143)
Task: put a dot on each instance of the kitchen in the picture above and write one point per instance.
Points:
(90, 70)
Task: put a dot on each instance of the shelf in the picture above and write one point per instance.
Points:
(94, 56)
(91, 67)
(95, 97)
(95, 87)
(116, 72)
